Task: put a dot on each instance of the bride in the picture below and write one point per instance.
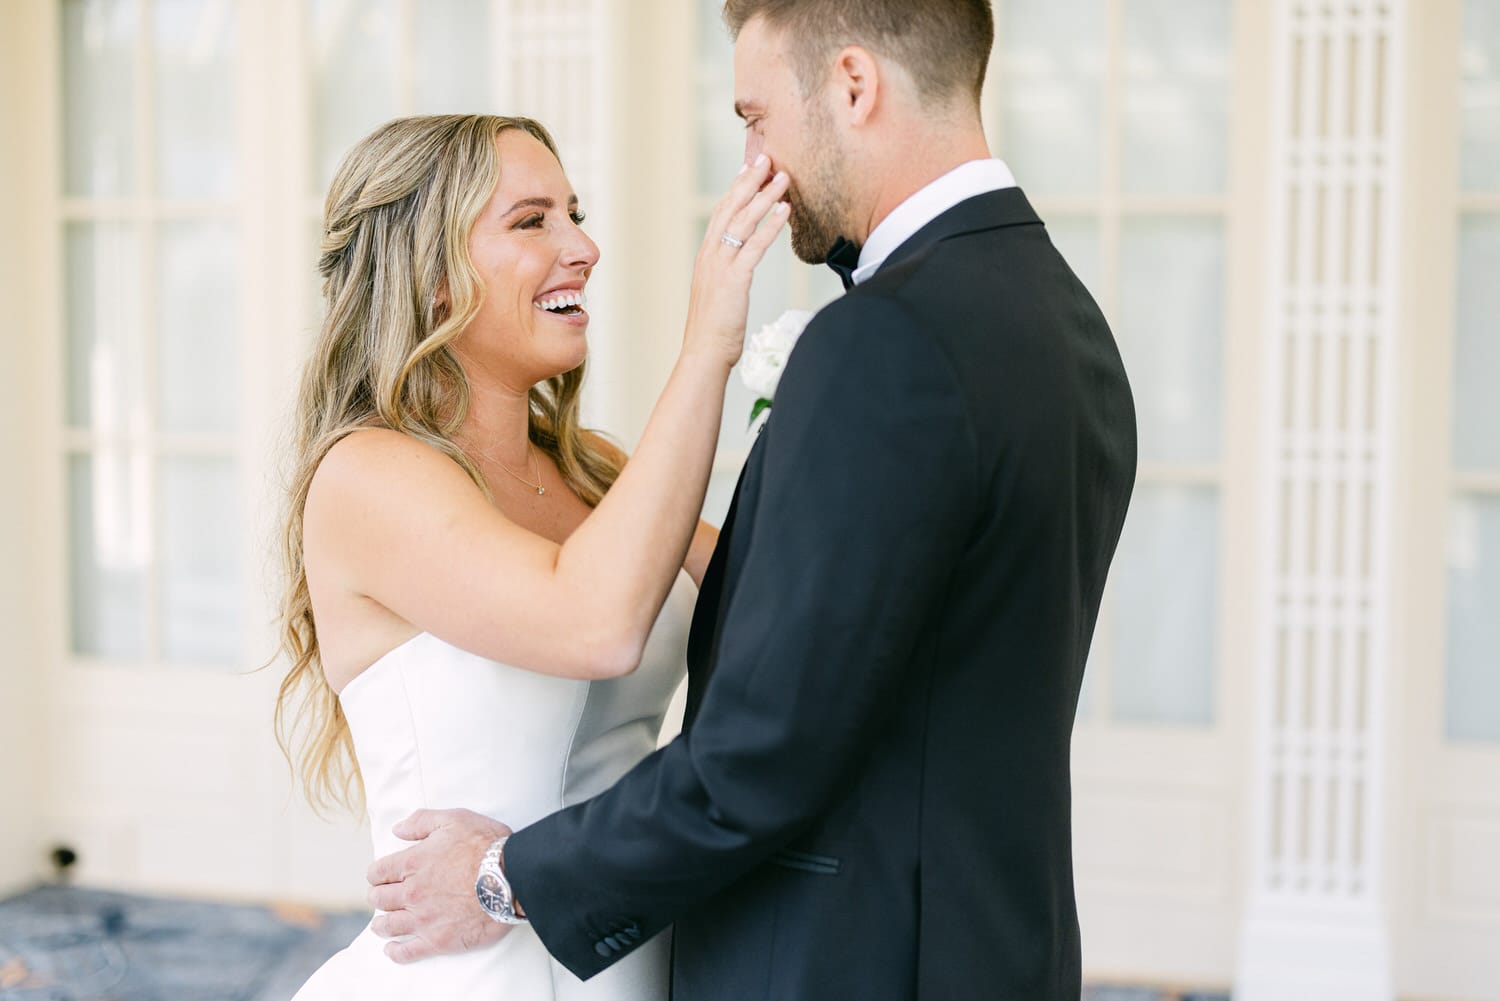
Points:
(486, 605)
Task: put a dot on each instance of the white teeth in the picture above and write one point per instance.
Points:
(553, 302)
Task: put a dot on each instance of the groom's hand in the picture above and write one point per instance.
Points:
(427, 890)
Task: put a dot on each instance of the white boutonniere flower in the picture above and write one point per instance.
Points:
(766, 355)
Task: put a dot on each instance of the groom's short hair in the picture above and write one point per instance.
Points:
(943, 44)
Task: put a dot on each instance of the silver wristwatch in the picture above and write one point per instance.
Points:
(493, 889)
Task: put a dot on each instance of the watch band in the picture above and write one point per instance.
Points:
(493, 889)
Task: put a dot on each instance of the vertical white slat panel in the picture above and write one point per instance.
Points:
(1328, 594)
(1315, 926)
(557, 55)
(1364, 321)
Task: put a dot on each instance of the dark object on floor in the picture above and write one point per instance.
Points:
(63, 859)
(70, 944)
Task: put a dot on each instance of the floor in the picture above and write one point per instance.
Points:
(69, 944)
(62, 944)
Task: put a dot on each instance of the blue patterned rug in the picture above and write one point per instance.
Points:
(1104, 992)
(67, 944)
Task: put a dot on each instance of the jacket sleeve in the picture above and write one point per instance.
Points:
(867, 493)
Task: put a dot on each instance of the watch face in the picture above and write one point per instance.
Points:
(491, 893)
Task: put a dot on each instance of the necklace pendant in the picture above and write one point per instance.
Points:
(540, 491)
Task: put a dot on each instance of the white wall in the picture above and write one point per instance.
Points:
(21, 662)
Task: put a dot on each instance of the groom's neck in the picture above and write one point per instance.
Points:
(894, 174)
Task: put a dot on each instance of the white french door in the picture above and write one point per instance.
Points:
(186, 147)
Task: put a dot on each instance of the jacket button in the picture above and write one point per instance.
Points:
(613, 943)
(603, 950)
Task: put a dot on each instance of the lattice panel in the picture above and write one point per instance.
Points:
(1331, 348)
(557, 60)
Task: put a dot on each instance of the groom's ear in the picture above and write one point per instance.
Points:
(856, 79)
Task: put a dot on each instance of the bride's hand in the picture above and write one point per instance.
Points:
(751, 213)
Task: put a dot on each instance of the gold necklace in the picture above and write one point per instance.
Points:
(536, 469)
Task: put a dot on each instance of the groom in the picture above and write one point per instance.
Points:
(870, 799)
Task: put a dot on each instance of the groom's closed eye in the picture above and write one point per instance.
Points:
(749, 111)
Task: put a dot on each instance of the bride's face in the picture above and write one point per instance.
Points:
(530, 254)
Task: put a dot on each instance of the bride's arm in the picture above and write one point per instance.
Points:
(705, 539)
(705, 536)
(414, 535)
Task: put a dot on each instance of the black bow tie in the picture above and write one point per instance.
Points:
(843, 258)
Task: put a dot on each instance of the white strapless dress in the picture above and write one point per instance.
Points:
(437, 727)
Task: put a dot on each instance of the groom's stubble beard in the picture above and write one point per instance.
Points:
(819, 198)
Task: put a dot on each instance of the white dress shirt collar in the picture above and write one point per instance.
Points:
(960, 184)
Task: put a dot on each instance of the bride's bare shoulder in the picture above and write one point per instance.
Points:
(380, 464)
(374, 484)
(374, 451)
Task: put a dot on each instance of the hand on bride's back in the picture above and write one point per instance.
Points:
(751, 213)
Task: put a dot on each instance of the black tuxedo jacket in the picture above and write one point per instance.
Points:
(870, 800)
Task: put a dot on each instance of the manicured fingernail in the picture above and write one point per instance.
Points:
(762, 160)
(744, 167)
(783, 207)
(780, 175)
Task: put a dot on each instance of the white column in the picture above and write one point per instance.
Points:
(30, 305)
(1317, 926)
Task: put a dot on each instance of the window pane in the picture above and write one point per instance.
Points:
(199, 309)
(721, 136)
(1480, 96)
(1172, 332)
(200, 561)
(98, 56)
(109, 552)
(1051, 93)
(196, 54)
(454, 68)
(1473, 683)
(1078, 240)
(1176, 94)
(106, 346)
(1476, 405)
(354, 59)
(1166, 585)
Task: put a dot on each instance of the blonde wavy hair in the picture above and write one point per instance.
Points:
(396, 233)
